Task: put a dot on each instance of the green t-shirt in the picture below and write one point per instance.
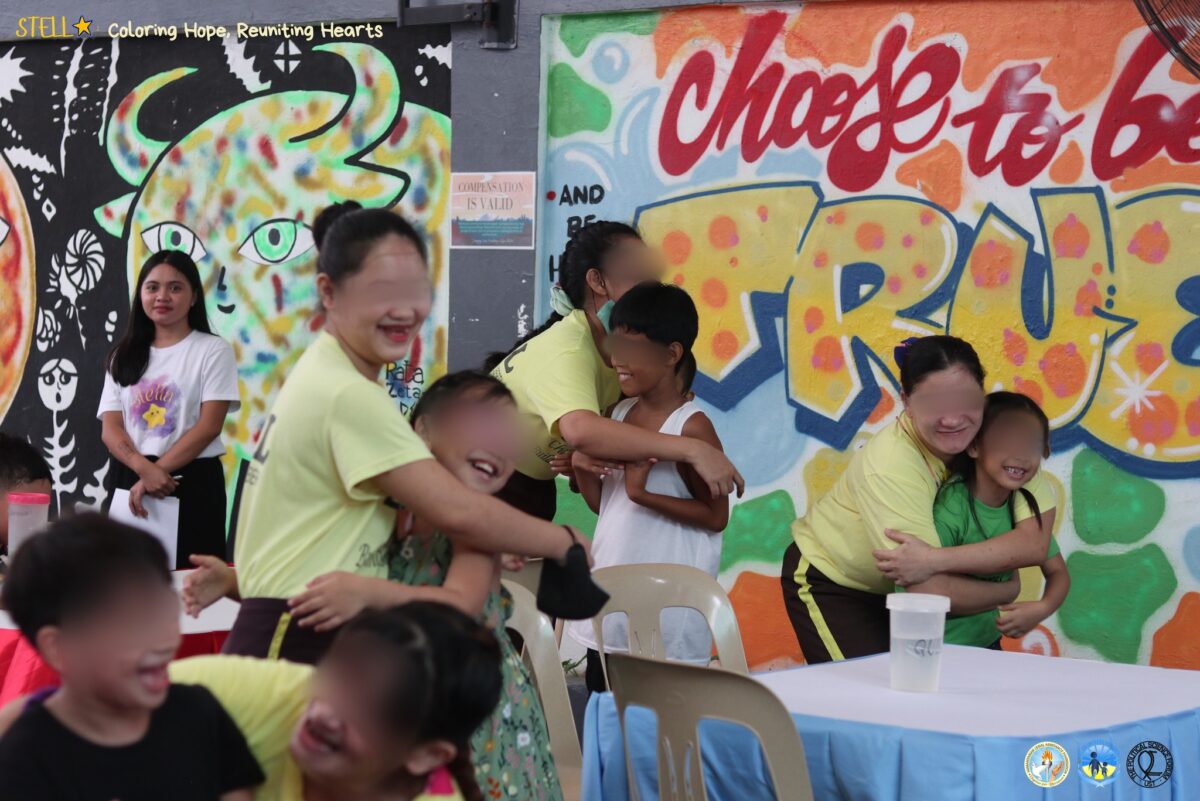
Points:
(957, 526)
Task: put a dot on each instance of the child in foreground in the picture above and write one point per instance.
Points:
(96, 600)
(977, 503)
(22, 469)
(469, 422)
(654, 512)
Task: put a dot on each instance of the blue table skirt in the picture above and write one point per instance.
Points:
(850, 761)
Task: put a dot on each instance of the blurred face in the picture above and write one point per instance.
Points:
(476, 439)
(341, 738)
(629, 262)
(378, 311)
(166, 296)
(41, 486)
(641, 364)
(118, 651)
(1011, 449)
(946, 409)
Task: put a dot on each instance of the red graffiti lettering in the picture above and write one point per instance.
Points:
(1158, 122)
(1035, 127)
(749, 97)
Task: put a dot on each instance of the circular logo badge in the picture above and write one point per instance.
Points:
(1149, 764)
(1047, 764)
(1098, 762)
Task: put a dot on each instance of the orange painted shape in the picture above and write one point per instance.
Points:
(677, 246)
(1176, 644)
(725, 344)
(766, 631)
(722, 232)
(1151, 243)
(1155, 421)
(937, 173)
(1030, 389)
(1149, 355)
(1064, 369)
(714, 293)
(992, 264)
(678, 29)
(1192, 418)
(827, 355)
(882, 409)
(1039, 641)
(1071, 238)
(1156, 171)
(1068, 167)
(869, 236)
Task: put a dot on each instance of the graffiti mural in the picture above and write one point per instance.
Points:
(829, 179)
(111, 149)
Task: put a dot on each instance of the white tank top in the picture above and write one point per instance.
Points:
(628, 534)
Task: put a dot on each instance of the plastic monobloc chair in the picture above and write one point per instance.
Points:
(681, 696)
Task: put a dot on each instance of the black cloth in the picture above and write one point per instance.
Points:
(193, 751)
(567, 591)
(533, 496)
(256, 633)
(201, 494)
(593, 675)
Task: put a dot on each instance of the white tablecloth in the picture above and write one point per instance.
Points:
(987, 693)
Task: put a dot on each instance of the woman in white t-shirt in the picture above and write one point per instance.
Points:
(170, 382)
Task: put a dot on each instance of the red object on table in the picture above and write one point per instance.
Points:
(22, 671)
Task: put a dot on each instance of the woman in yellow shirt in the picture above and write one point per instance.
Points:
(845, 557)
(564, 383)
(336, 455)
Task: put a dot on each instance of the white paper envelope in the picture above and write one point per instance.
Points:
(162, 520)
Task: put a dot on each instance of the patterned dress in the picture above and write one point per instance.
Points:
(511, 750)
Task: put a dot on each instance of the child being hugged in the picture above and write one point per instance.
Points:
(654, 512)
(96, 600)
(471, 425)
(977, 503)
(170, 382)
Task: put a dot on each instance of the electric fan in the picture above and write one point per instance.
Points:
(1177, 25)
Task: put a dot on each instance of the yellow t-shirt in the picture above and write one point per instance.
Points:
(891, 483)
(557, 372)
(308, 506)
(265, 700)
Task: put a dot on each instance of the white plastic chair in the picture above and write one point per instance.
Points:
(642, 592)
(541, 654)
(681, 696)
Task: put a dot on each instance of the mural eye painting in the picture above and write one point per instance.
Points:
(174, 236)
(277, 241)
(4, 229)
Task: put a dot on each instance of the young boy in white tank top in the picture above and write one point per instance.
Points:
(654, 512)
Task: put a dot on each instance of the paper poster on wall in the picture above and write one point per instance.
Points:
(492, 210)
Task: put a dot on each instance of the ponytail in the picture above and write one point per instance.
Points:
(585, 251)
(462, 768)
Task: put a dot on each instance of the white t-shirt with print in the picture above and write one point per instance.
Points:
(165, 403)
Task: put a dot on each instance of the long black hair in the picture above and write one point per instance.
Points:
(919, 357)
(446, 679)
(962, 466)
(585, 251)
(128, 359)
(345, 232)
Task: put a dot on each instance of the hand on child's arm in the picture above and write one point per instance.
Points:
(334, 598)
(512, 563)
(636, 475)
(560, 465)
(580, 461)
(1018, 619)
(912, 561)
(211, 581)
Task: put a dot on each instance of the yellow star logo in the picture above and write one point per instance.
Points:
(155, 416)
(84, 26)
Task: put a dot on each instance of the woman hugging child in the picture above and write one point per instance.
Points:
(470, 423)
(978, 503)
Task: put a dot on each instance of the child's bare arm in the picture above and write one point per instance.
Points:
(702, 510)
(589, 485)
(1021, 618)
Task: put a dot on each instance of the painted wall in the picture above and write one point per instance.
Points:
(831, 179)
(111, 149)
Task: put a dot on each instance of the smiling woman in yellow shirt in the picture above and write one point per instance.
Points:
(388, 714)
(564, 383)
(336, 455)
(843, 561)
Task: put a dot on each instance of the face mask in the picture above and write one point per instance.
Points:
(604, 315)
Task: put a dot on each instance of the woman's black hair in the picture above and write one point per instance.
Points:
(962, 466)
(446, 679)
(128, 359)
(918, 357)
(452, 386)
(586, 249)
(345, 232)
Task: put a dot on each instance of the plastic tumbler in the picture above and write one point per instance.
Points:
(918, 623)
(28, 513)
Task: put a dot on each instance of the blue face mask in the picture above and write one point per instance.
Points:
(604, 315)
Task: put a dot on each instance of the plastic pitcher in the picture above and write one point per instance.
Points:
(918, 624)
(28, 513)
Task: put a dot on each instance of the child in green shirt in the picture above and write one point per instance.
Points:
(977, 503)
